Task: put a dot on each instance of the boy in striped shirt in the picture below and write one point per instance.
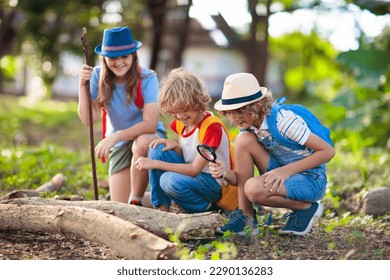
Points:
(290, 178)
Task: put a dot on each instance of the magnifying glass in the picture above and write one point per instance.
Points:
(207, 152)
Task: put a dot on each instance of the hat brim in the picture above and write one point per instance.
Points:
(113, 54)
(222, 107)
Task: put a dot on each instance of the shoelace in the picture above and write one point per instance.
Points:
(235, 217)
(292, 217)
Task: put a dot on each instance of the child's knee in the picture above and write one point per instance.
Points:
(244, 140)
(141, 145)
(156, 153)
(167, 182)
(254, 189)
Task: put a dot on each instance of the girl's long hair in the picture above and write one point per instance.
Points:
(107, 82)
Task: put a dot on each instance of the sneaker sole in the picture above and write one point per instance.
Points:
(316, 216)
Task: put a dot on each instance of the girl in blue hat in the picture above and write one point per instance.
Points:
(127, 94)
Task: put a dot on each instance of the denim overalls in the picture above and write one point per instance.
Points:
(307, 186)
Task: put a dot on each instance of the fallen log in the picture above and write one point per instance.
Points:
(186, 226)
(129, 240)
(53, 185)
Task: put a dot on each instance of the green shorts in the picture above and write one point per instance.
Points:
(120, 157)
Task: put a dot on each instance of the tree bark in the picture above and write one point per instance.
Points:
(186, 226)
(127, 239)
(157, 10)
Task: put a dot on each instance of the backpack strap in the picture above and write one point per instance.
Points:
(104, 128)
(179, 127)
(229, 198)
(205, 125)
(139, 99)
(271, 122)
(139, 102)
(280, 100)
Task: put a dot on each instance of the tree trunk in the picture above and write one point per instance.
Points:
(7, 35)
(157, 11)
(182, 37)
(127, 239)
(186, 226)
(255, 47)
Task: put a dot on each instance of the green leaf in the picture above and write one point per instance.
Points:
(368, 65)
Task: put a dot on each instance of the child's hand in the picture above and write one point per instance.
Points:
(145, 163)
(218, 169)
(169, 144)
(103, 148)
(275, 179)
(85, 73)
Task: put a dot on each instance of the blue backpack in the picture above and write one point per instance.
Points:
(312, 121)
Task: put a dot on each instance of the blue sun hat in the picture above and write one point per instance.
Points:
(117, 41)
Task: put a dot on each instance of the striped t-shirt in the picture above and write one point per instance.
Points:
(290, 126)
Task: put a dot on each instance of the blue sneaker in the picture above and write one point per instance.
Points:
(300, 222)
(237, 224)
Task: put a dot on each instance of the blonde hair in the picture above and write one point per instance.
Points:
(182, 91)
(107, 82)
(257, 109)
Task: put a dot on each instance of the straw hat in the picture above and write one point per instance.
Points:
(240, 89)
(117, 41)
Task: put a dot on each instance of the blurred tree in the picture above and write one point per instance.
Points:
(308, 65)
(7, 32)
(254, 44)
(378, 7)
(40, 30)
(45, 28)
(157, 10)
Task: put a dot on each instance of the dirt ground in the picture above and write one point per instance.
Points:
(370, 243)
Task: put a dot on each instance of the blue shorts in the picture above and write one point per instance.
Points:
(307, 186)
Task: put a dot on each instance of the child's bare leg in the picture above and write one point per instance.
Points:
(140, 178)
(248, 152)
(120, 185)
(257, 193)
(146, 202)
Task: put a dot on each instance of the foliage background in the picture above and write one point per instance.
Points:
(349, 91)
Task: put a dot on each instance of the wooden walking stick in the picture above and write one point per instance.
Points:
(91, 141)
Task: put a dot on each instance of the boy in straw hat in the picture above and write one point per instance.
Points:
(128, 94)
(290, 178)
